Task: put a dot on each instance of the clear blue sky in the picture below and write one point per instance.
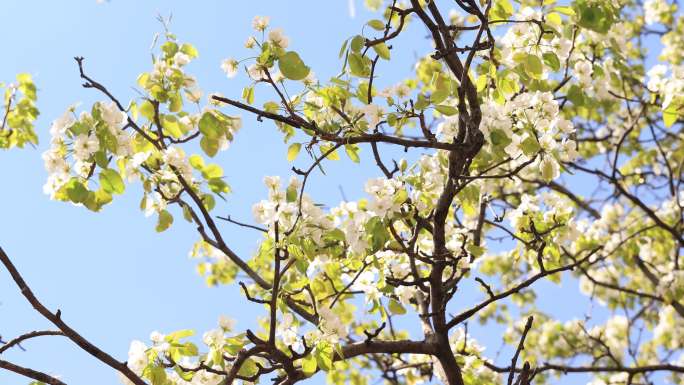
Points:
(114, 278)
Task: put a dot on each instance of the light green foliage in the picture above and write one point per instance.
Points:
(18, 113)
(292, 66)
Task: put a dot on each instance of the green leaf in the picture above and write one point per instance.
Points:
(352, 151)
(481, 82)
(189, 349)
(196, 161)
(382, 50)
(547, 170)
(396, 308)
(292, 66)
(179, 334)
(248, 368)
(476, 251)
(291, 194)
(155, 374)
(446, 110)
(100, 158)
(506, 7)
(376, 24)
(359, 65)
(422, 102)
(530, 146)
(392, 120)
(210, 126)
(76, 191)
(554, 18)
(324, 354)
(293, 151)
(378, 233)
(595, 16)
(564, 10)
(362, 92)
(164, 221)
(670, 115)
(248, 95)
(499, 138)
(576, 95)
(533, 66)
(171, 126)
(209, 146)
(147, 110)
(111, 181)
(400, 197)
(551, 60)
(186, 376)
(169, 48)
(189, 50)
(508, 86)
(208, 201)
(212, 171)
(218, 186)
(309, 365)
(24, 78)
(333, 155)
(343, 49)
(175, 102)
(100, 198)
(357, 43)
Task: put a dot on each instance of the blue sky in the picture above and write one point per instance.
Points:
(114, 278)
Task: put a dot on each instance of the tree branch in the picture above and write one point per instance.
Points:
(61, 325)
(30, 373)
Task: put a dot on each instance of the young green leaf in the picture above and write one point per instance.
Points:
(292, 66)
(382, 50)
(293, 151)
(164, 221)
(376, 24)
(111, 181)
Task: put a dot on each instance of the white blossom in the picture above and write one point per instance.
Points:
(230, 67)
(61, 124)
(181, 59)
(137, 357)
(654, 10)
(373, 114)
(85, 145)
(277, 38)
(260, 23)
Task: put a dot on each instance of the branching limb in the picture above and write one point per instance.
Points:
(18, 340)
(70, 333)
(30, 373)
(521, 346)
(517, 288)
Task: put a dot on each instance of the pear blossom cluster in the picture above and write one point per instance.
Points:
(473, 358)
(352, 221)
(673, 42)
(669, 87)
(331, 330)
(385, 196)
(670, 329)
(287, 209)
(75, 140)
(655, 11)
(143, 359)
(533, 124)
(172, 70)
(112, 145)
(523, 38)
